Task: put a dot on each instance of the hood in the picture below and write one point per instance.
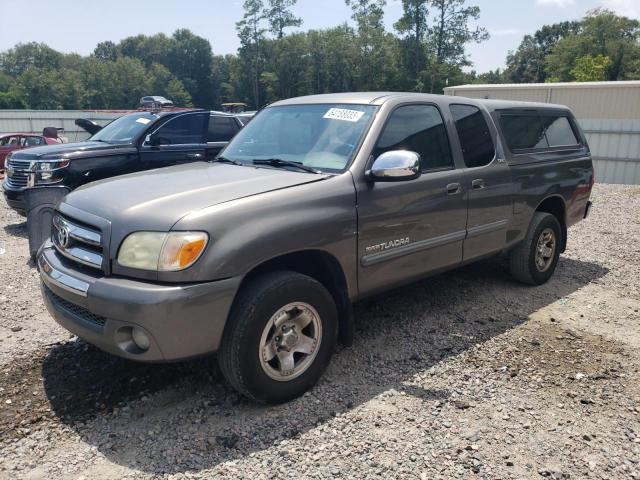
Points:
(69, 150)
(157, 199)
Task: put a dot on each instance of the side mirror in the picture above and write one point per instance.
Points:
(152, 140)
(395, 166)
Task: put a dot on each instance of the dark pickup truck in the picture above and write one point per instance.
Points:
(133, 142)
(317, 203)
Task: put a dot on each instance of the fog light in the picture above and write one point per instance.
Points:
(140, 338)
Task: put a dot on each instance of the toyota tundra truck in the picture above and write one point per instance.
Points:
(319, 202)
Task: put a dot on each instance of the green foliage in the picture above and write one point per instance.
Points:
(413, 26)
(601, 33)
(23, 56)
(106, 51)
(279, 16)
(251, 34)
(570, 51)
(591, 69)
(527, 63)
(271, 63)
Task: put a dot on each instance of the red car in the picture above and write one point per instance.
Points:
(17, 141)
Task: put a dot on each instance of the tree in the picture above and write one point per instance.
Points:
(279, 16)
(40, 88)
(451, 33)
(9, 96)
(332, 54)
(527, 63)
(23, 56)
(190, 59)
(413, 24)
(251, 35)
(188, 56)
(106, 51)
(601, 33)
(376, 62)
(163, 82)
(591, 69)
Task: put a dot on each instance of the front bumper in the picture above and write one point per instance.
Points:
(181, 320)
(14, 198)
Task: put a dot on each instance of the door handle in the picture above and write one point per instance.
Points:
(194, 156)
(453, 188)
(477, 184)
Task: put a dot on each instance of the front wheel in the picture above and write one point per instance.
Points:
(279, 337)
(535, 259)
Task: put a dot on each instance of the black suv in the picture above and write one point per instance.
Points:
(134, 142)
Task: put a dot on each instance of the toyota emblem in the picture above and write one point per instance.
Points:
(63, 237)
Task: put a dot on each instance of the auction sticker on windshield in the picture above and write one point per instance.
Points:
(344, 114)
(142, 120)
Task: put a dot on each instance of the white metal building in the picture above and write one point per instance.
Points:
(608, 112)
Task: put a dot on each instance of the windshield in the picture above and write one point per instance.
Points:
(125, 129)
(324, 137)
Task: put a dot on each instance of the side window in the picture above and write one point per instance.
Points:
(31, 141)
(419, 128)
(475, 138)
(185, 129)
(221, 129)
(9, 142)
(523, 131)
(534, 132)
(558, 131)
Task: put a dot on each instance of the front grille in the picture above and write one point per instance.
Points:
(78, 242)
(17, 173)
(74, 309)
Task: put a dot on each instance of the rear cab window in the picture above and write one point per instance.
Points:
(538, 131)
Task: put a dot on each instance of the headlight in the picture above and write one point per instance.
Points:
(166, 252)
(48, 171)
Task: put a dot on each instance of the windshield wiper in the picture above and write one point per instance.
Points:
(279, 163)
(227, 160)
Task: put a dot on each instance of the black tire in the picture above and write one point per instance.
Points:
(256, 303)
(522, 258)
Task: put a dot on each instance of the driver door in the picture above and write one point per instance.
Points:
(409, 228)
(179, 140)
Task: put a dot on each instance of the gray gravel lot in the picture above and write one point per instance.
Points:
(464, 375)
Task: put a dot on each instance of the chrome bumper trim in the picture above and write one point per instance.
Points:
(62, 280)
(80, 255)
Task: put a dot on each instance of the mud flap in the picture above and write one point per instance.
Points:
(40, 203)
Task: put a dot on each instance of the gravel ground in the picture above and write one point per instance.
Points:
(464, 375)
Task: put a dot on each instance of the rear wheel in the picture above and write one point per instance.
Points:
(535, 259)
(279, 337)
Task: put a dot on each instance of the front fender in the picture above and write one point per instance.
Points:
(247, 232)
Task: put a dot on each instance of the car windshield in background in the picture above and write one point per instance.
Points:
(323, 137)
(125, 129)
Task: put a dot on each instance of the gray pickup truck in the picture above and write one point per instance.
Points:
(317, 203)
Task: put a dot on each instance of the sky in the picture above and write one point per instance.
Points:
(74, 26)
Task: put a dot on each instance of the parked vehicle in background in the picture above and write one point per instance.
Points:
(234, 107)
(317, 203)
(10, 142)
(155, 101)
(134, 142)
